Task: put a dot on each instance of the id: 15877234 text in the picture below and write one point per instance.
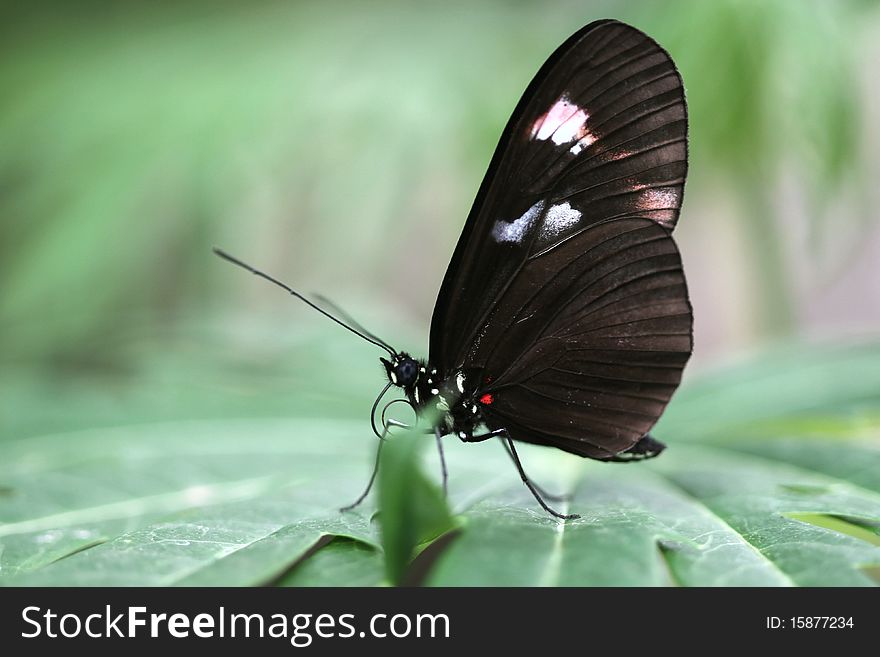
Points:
(809, 623)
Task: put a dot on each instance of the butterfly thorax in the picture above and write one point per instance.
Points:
(454, 399)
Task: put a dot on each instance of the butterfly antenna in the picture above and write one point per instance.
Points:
(351, 320)
(373, 413)
(369, 337)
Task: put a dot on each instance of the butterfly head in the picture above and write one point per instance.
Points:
(402, 370)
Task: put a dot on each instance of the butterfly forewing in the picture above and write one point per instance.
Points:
(600, 133)
(565, 292)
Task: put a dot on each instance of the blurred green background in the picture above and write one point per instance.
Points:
(167, 418)
(339, 146)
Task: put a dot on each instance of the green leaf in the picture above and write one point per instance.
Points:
(782, 489)
(196, 503)
(834, 389)
(341, 562)
(412, 509)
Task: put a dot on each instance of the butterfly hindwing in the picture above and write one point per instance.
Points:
(591, 351)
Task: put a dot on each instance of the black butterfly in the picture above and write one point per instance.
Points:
(563, 318)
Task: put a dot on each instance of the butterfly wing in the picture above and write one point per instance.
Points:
(590, 342)
(600, 133)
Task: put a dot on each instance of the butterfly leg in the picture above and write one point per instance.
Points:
(469, 438)
(646, 448)
(531, 486)
(438, 437)
(372, 476)
(501, 434)
(544, 493)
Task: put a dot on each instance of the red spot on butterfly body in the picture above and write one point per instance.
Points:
(487, 399)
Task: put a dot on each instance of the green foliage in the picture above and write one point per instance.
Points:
(412, 510)
(783, 489)
(774, 102)
(133, 141)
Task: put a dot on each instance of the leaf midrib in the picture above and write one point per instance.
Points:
(178, 500)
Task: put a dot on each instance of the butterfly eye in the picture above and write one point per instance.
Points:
(406, 373)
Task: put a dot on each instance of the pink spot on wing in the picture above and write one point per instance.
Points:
(563, 123)
(536, 126)
(618, 155)
(487, 399)
(658, 199)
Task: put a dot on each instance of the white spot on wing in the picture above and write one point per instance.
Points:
(563, 123)
(506, 231)
(459, 381)
(571, 129)
(588, 139)
(559, 217)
